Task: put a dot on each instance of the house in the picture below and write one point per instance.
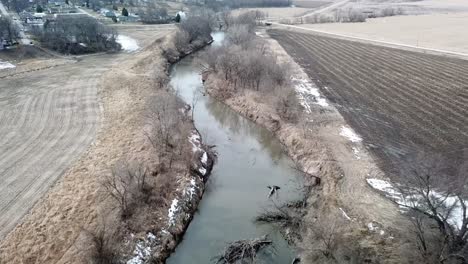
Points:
(25, 16)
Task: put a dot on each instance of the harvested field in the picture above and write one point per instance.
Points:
(433, 31)
(49, 117)
(399, 101)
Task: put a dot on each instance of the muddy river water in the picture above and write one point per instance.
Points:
(249, 159)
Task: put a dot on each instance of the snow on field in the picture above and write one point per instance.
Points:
(307, 91)
(455, 216)
(350, 134)
(6, 65)
(128, 44)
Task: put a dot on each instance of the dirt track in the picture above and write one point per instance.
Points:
(399, 101)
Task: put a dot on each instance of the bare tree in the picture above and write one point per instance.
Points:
(104, 242)
(197, 27)
(239, 34)
(430, 188)
(127, 186)
(328, 231)
(153, 14)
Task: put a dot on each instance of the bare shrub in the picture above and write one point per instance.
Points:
(127, 186)
(391, 11)
(243, 251)
(328, 231)
(153, 14)
(288, 217)
(181, 40)
(435, 195)
(104, 245)
(355, 16)
(240, 34)
(287, 105)
(164, 120)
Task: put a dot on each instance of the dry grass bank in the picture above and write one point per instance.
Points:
(66, 225)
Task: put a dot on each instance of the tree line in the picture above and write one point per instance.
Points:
(9, 32)
(77, 35)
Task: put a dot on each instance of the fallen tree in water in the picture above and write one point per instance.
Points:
(243, 250)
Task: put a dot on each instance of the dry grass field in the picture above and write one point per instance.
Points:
(400, 102)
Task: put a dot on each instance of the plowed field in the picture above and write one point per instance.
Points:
(400, 102)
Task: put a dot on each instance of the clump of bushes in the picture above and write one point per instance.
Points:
(244, 62)
(193, 33)
(77, 35)
(8, 31)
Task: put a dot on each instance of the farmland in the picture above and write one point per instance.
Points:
(400, 102)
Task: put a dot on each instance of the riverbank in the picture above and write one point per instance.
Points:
(362, 222)
(67, 224)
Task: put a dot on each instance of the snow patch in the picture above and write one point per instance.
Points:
(204, 158)
(306, 91)
(345, 214)
(356, 153)
(350, 134)
(195, 140)
(128, 44)
(202, 171)
(6, 65)
(455, 217)
(173, 210)
(191, 189)
(142, 250)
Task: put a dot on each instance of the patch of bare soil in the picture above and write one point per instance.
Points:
(320, 149)
(62, 227)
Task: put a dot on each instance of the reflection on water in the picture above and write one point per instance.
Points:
(249, 159)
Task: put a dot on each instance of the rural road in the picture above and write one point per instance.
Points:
(48, 119)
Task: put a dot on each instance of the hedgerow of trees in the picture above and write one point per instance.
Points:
(244, 62)
(8, 30)
(78, 35)
(193, 32)
(153, 14)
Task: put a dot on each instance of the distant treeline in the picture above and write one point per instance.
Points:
(258, 3)
(215, 4)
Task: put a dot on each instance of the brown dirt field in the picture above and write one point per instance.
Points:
(50, 231)
(400, 102)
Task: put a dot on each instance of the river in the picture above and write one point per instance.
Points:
(249, 159)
